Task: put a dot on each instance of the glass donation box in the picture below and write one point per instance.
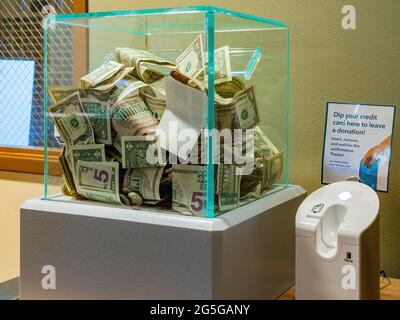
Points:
(181, 110)
(166, 172)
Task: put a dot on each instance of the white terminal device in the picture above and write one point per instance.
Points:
(337, 243)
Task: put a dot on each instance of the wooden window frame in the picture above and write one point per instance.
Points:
(28, 160)
(31, 160)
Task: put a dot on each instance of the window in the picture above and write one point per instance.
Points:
(21, 83)
(16, 83)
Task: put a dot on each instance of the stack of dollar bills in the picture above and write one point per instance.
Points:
(108, 127)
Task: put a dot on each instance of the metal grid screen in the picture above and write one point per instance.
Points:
(21, 69)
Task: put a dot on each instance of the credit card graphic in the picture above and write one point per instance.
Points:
(369, 174)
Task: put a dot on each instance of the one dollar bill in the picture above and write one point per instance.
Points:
(58, 93)
(98, 113)
(144, 63)
(131, 117)
(228, 185)
(145, 181)
(246, 108)
(191, 61)
(140, 151)
(86, 152)
(102, 73)
(222, 65)
(71, 121)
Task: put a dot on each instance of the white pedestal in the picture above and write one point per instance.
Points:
(107, 252)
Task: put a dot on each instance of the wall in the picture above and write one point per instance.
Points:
(328, 64)
(15, 188)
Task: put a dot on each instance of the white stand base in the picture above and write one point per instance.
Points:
(107, 252)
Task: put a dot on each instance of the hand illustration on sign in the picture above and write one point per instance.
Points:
(369, 164)
(371, 156)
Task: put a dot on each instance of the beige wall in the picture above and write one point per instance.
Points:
(328, 64)
(15, 188)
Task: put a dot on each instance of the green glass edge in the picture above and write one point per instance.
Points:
(287, 110)
(209, 17)
(45, 168)
(209, 10)
(73, 24)
(174, 10)
(250, 67)
(129, 31)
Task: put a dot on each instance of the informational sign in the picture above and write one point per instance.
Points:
(358, 142)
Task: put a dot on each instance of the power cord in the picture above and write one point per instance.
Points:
(388, 281)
